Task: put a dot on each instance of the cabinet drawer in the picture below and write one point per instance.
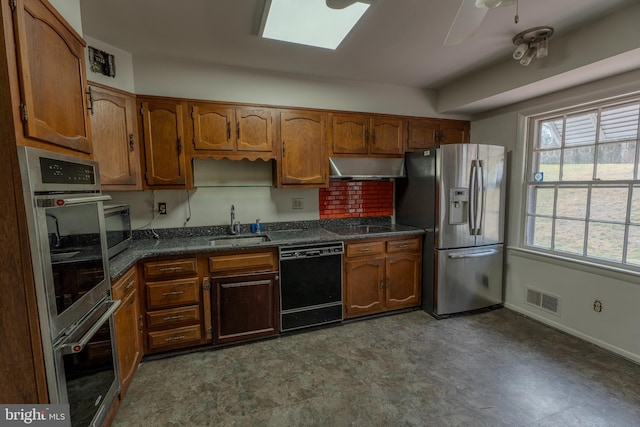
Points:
(157, 269)
(187, 335)
(240, 263)
(124, 285)
(175, 316)
(409, 245)
(172, 293)
(364, 248)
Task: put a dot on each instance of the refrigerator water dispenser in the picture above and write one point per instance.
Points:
(458, 206)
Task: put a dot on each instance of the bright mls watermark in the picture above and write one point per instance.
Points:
(35, 415)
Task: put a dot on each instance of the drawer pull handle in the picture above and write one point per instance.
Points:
(365, 249)
(172, 293)
(405, 246)
(170, 268)
(176, 338)
(129, 285)
(167, 318)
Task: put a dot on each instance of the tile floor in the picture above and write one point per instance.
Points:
(491, 369)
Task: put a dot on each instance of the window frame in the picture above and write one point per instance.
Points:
(532, 161)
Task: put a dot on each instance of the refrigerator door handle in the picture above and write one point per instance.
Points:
(472, 198)
(458, 255)
(482, 192)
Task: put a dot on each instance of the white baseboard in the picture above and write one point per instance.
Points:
(612, 348)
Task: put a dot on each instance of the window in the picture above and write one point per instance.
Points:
(583, 187)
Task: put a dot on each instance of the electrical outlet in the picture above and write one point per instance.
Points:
(162, 208)
(296, 203)
(597, 306)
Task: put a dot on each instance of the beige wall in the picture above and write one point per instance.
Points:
(577, 285)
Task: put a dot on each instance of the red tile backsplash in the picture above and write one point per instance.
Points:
(351, 199)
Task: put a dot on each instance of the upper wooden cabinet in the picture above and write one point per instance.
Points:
(303, 149)
(162, 128)
(232, 131)
(115, 138)
(52, 77)
(364, 134)
(431, 133)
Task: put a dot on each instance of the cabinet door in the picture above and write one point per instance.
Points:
(128, 338)
(162, 128)
(454, 132)
(212, 127)
(364, 286)
(350, 134)
(246, 306)
(303, 148)
(254, 129)
(114, 135)
(51, 66)
(403, 281)
(423, 134)
(387, 136)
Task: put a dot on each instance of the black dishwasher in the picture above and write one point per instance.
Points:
(310, 285)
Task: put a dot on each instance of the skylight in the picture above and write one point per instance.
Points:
(310, 22)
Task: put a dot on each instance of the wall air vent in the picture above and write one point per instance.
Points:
(546, 302)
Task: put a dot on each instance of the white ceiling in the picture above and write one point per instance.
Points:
(397, 42)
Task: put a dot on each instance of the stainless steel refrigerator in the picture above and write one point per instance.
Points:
(456, 193)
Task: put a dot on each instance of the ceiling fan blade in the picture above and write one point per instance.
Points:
(466, 22)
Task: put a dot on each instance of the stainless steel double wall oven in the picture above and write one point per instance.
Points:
(64, 209)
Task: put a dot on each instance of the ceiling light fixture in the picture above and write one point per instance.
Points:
(319, 23)
(530, 43)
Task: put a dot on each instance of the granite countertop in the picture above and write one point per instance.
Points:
(197, 240)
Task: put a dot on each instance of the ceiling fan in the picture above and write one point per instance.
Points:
(469, 18)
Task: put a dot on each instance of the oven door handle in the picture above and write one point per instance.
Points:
(80, 200)
(78, 346)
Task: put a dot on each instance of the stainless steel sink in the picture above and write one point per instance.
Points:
(63, 256)
(237, 241)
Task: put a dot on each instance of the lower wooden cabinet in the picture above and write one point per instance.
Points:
(175, 304)
(245, 297)
(381, 275)
(246, 307)
(128, 325)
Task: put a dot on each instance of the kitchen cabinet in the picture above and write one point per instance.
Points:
(303, 150)
(115, 138)
(162, 127)
(232, 131)
(431, 133)
(52, 78)
(381, 275)
(173, 307)
(364, 135)
(246, 295)
(128, 326)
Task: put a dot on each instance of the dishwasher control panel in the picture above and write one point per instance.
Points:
(309, 251)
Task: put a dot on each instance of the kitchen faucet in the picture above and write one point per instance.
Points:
(235, 225)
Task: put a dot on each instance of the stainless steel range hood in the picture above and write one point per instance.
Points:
(366, 167)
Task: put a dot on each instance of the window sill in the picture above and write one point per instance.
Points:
(581, 265)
